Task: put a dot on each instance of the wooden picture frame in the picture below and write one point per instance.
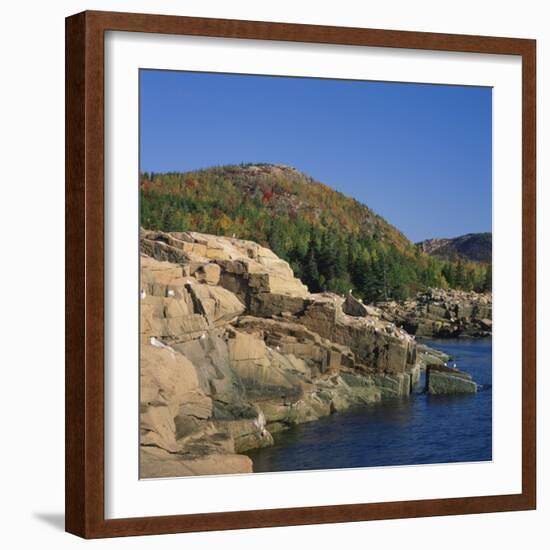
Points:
(85, 274)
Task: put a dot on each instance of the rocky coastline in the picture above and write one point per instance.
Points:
(234, 348)
(438, 313)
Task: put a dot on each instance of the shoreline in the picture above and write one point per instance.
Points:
(234, 348)
(290, 442)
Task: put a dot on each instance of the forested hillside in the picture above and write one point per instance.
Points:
(332, 242)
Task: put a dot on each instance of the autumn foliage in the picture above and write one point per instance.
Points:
(332, 241)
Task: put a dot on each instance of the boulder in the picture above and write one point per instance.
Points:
(210, 356)
(244, 266)
(443, 313)
(441, 380)
(429, 356)
(207, 273)
(178, 307)
(156, 463)
(352, 306)
(161, 250)
(486, 324)
(166, 380)
(270, 305)
(381, 346)
(216, 304)
(296, 348)
(250, 433)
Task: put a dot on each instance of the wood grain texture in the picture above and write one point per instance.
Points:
(75, 333)
(529, 275)
(85, 274)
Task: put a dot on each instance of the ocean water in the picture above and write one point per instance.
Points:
(423, 429)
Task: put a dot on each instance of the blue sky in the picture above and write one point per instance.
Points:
(419, 155)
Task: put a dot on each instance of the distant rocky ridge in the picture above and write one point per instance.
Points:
(476, 247)
(235, 348)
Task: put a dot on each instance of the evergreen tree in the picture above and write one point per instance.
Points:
(311, 272)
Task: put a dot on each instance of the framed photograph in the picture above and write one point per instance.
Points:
(300, 274)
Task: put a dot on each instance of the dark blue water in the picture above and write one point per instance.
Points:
(420, 430)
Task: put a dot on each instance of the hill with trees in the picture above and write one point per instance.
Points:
(332, 242)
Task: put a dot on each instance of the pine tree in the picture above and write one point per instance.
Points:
(311, 272)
